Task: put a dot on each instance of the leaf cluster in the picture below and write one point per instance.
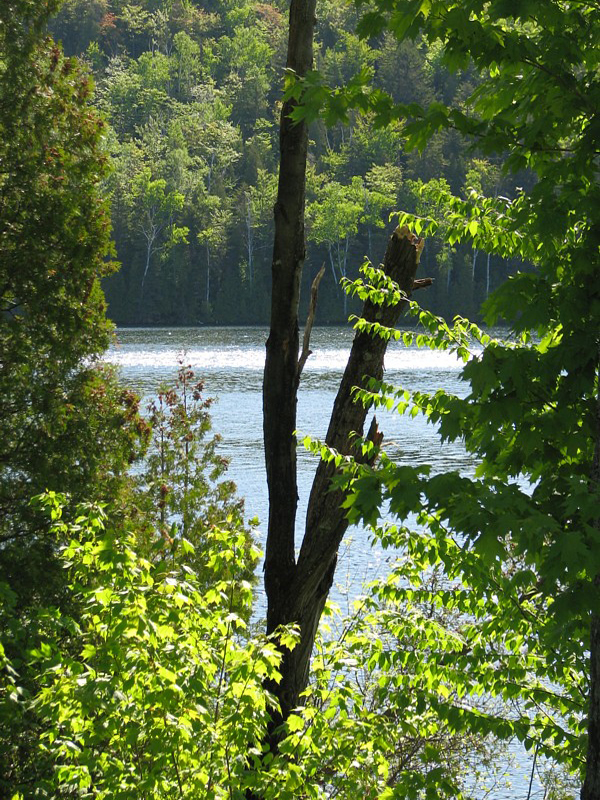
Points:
(160, 684)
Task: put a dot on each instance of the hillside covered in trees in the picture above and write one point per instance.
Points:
(191, 92)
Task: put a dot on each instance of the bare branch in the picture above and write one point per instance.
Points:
(314, 293)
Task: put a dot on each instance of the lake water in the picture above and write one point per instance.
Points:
(231, 362)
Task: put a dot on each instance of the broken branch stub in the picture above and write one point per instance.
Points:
(312, 308)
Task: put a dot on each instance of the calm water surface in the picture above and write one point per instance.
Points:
(231, 362)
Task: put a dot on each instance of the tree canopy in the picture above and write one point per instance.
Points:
(524, 532)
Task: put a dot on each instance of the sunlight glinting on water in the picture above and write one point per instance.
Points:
(253, 358)
(230, 361)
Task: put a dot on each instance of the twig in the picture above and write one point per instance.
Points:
(314, 292)
(375, 437)
(537, 747)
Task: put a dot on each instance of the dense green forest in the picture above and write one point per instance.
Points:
(191, 93)
(130, 661)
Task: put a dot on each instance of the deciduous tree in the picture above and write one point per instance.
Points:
(531, 415)
(532, 412)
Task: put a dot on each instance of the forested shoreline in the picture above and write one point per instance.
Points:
(191, 95)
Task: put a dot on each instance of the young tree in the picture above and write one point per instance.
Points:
(154, 210)
(379, 197)
(182, 489)
(483, 177)
(334, 218)
(257, 213)
(166, 688)
(215, 215)
(161, 696)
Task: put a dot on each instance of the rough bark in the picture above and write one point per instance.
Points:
(281, 366)
(297, 591)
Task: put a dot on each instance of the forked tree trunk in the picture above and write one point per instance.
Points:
(297, 590)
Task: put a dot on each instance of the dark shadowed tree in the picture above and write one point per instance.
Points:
(297, 586)
(65, 424)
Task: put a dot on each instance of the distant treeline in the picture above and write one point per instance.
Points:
(191, 96)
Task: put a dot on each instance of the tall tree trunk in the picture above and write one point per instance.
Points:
(249, 238)
(150, 239)
(281, 367)
(296, 590)
(343, 269)
(207, 298)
